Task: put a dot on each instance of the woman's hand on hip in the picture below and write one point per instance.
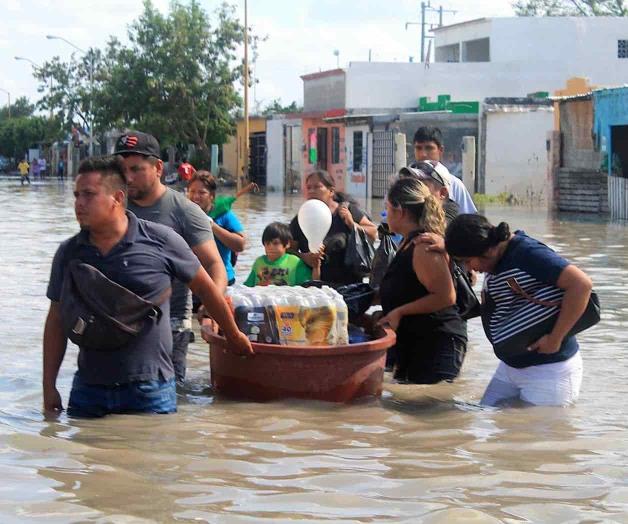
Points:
(546, 345)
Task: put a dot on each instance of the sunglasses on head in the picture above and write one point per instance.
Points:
(429, 170)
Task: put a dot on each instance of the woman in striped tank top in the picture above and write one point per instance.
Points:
(549, 373)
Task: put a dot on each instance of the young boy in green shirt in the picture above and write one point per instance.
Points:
(278, 267)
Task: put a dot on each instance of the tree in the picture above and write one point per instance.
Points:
(70, 94)
(177, 77)
(275, 107)
(21, 107)
(24, 129)
(571, 8)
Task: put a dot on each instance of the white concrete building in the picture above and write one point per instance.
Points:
(489, 57)
(479, 59)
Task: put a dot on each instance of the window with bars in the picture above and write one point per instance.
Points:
(622, 48)
(357, 151)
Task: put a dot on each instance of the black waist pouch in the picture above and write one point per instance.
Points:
(99, 314)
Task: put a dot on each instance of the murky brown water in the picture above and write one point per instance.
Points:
(421, 454)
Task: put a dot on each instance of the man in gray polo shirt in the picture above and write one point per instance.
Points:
(151, 200)
(143, 257)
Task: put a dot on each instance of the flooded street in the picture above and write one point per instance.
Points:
(421, 454)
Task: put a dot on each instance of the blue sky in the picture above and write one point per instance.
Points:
(302, 35)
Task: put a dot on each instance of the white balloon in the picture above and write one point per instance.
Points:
(315, 220)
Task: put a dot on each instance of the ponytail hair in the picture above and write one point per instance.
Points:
(473, 236)
(414, 196)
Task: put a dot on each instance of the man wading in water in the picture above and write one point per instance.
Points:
(143, 257)
(151, 200)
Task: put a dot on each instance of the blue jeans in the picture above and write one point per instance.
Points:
(94, 400)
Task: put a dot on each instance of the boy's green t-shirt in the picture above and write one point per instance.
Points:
(288, 270)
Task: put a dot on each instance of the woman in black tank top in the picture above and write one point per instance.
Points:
(417, 292)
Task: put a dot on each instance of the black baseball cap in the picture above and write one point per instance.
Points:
(138, 143)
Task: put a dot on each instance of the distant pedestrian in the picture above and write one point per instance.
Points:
(35, 168)
(42, 167)
(23, 168)
(185, 171)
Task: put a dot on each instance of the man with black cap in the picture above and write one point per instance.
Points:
(151, 200)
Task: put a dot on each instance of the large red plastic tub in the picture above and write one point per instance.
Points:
(335, 374)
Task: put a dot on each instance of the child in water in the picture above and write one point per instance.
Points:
(277, 267)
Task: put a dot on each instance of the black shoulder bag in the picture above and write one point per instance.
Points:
(99, 314)
(466, 300)
(522, 337)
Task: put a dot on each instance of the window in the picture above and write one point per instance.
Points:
(357, 151)
(622, 48)
(335, 145)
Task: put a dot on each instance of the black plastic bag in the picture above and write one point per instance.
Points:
(359, 254)
(358, 298)
(384, 255)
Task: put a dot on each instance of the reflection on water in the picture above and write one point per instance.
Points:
(422, 453)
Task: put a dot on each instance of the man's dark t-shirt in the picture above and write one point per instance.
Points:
(145, 261)
(174, 210)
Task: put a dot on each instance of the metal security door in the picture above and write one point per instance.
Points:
(383, 161)
(257, 159)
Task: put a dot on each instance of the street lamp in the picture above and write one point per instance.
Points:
(9, 95)
(91, 88)
(36, 67)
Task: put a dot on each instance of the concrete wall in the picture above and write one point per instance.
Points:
(399, 85)
(573, 43)
(324, 91)
(515, 153)
(284, 146)
(463, 32)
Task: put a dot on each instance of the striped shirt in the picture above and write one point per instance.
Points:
(536, 268)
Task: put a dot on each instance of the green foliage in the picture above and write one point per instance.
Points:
(177, 77)
(18, 134)
(67, 86)
(275, 107)
(24, 129)
(481, 199)
(570, 8)
(21, 107)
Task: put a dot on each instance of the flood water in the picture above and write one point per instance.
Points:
(420, 454)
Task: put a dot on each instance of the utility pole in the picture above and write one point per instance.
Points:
(427, 8)
(37, 68)
(246, 101)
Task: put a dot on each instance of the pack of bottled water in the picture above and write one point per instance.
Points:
(286, 315)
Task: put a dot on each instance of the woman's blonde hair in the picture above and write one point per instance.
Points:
(415, 197)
